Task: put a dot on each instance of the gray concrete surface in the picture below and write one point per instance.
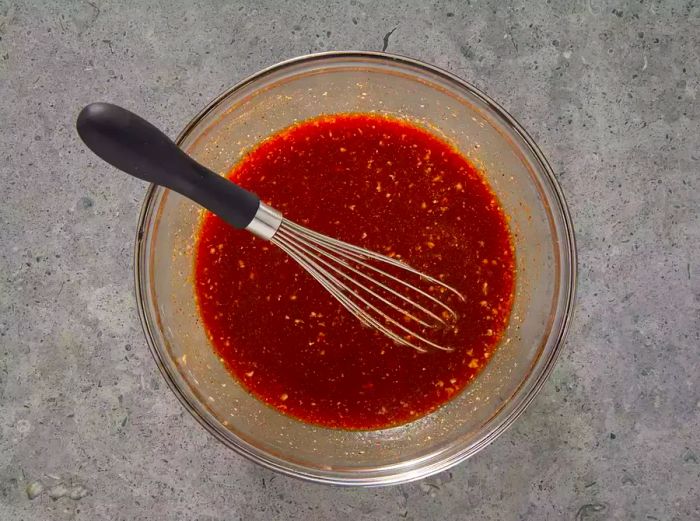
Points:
(608, 89)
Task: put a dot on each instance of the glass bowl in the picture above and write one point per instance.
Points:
(516, 170)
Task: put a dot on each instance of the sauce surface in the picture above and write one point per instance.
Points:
(385, 185)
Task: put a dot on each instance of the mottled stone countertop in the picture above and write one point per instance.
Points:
(610, 91)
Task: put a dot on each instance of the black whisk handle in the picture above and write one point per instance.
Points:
(138, 148)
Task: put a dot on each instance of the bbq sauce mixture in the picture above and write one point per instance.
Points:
(385, 185)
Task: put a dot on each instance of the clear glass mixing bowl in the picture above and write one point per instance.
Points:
(517, 171)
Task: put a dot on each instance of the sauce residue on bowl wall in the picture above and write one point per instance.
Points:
(383, 184)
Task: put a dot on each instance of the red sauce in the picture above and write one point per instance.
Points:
(385, 185)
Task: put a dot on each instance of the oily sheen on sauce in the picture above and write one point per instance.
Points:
(382, 184)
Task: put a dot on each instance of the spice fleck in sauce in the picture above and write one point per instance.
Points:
(385, 185)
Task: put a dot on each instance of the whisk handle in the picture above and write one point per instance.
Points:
(138, 148)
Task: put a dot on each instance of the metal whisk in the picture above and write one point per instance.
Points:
(371, 286)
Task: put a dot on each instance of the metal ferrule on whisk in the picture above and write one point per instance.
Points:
(266, 222)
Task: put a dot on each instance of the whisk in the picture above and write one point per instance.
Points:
(382, 292)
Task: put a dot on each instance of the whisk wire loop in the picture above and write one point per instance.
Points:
(348, 273)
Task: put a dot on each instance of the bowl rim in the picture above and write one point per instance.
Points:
(397, 473)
